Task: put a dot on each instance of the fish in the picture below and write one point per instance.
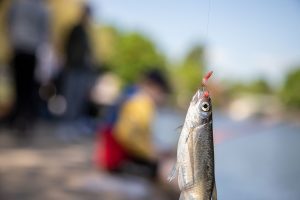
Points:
(195, 165)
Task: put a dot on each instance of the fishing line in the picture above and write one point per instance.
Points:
(208, 17)
(206, 39)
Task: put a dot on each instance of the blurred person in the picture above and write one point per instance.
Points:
(78, 48)
(125, 143)
(78, 66)
(28, 30)
(77, 78)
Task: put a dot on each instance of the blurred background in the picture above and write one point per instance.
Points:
(65, 70)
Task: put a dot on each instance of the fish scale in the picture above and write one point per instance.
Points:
(195, 151)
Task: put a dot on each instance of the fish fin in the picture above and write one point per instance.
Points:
(179, 128)
(183, 196)
(173, 173)
(192, 129)
(214, 193)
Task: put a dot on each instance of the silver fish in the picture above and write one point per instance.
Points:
(195, 152)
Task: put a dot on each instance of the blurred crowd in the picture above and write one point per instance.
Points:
(76, 95)
(45, 87)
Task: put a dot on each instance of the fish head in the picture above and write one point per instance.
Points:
(200, 110)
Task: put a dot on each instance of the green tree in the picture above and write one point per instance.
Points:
(259, 86)
(133, 54)
(187, 75)
(290, 92)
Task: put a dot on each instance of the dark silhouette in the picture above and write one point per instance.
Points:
(78, 49)
(78, 75)
(28, 29)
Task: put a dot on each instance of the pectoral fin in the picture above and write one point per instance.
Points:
(173, 173)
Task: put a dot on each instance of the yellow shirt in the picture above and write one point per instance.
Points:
(133, 128)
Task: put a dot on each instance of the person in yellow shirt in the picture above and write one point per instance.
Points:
(127, 144)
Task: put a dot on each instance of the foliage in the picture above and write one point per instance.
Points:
(133, 54)
(259, 86)
(290, 92)
(126, 53)
(4, 50)
(187, 75)
(104, 40)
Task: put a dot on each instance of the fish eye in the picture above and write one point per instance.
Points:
(205, 106)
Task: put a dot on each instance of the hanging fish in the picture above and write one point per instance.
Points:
(195, 151)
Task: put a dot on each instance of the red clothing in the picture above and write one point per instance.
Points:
(109, 154)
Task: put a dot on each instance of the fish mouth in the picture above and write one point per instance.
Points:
(205, 95)
(199, 95)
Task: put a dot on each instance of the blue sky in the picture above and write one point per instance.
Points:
(244, 39)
